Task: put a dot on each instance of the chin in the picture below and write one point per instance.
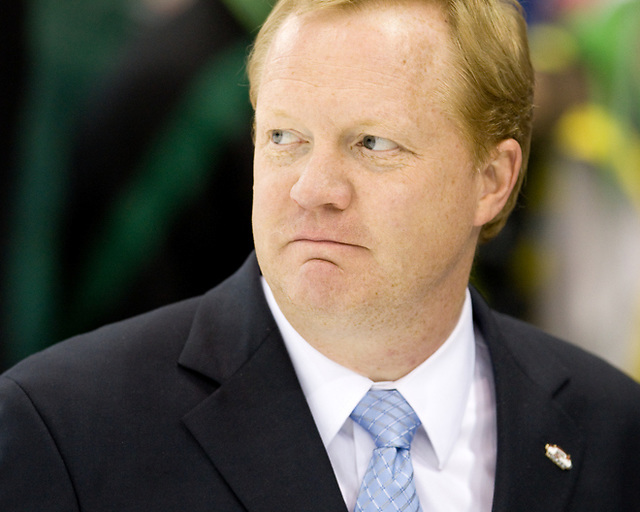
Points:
(322, 294)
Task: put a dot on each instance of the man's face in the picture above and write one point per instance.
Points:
(365, 197)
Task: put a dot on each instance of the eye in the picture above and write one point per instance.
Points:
(284, 137)
(374, 143)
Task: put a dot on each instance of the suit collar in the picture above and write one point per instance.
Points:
(527, 383)
(256, 427)
(229, 325)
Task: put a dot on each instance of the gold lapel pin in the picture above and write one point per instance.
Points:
(559, 457)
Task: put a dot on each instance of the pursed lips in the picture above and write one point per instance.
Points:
(322, 240)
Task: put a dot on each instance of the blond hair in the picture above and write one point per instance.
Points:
(490, 93)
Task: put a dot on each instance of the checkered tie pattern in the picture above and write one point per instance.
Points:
(388, 483)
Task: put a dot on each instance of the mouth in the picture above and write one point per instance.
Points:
(321, 241)
(325, 249)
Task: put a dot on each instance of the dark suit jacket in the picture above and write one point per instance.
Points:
(196, 407)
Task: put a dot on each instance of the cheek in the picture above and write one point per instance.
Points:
(402, 216)
(263, 199)
(272, 205)
(265, 219)
(269, 188)
(431, 214)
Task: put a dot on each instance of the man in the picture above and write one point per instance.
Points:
(389, 138)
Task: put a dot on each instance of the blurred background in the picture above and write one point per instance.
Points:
(126, 168)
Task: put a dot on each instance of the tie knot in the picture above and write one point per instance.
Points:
(388, 418)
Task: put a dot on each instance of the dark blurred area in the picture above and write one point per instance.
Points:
(127, 160)
(127, 156)
(171, 207)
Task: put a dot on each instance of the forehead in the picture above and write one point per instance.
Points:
(400, 46)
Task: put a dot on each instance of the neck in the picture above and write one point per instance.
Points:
(381, 347)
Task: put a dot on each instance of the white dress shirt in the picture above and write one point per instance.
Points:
(453, 451)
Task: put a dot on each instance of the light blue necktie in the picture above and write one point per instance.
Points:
(388, 483)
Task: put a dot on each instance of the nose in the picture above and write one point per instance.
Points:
(323, 183)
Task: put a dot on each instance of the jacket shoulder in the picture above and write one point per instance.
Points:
(151, 337)
(587, 385)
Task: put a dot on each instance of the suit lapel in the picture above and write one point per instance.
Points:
(528, 418)
(256, 427)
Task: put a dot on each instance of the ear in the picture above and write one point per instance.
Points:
(497, 180)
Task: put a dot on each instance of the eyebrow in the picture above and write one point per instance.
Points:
(277, 112)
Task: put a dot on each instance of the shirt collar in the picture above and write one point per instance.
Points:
(437, 390)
